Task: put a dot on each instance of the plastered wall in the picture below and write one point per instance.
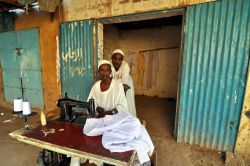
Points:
(86, 9)
(168, 37)
(48, 30)
(243, 141)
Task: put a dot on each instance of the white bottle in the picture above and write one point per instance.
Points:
(43, 118)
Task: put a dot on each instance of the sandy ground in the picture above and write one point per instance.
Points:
(159, 116)
(14, 153)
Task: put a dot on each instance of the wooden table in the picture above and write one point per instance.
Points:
(68, 138)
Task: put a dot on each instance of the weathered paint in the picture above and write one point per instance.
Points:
(243, 141)
(99, 41)
(76, 50)
(85, 9)
(49, 6)
(129, 18)
(216, 55)
(21, 69)
(48, 30)
(142, 16)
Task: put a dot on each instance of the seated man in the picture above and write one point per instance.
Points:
(108, 95)
(121, 70)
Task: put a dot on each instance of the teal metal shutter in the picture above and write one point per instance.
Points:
(21, 67)
(76, 58)
(216, 56)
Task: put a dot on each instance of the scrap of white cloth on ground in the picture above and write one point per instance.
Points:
(76, 161)
(121, 132)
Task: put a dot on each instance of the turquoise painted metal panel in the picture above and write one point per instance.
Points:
(216, 56)
(20, 60)
(76, 58)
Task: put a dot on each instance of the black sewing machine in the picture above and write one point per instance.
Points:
(72, 109)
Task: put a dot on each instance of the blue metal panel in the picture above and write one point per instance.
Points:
(216, 55)
(20, 59)
(76, 55)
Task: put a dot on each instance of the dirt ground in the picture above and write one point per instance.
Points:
(14, 153)
(159, 116)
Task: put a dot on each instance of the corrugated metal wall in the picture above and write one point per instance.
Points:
(216, 55)
(76, 56)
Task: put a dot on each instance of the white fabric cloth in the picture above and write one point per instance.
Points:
(131, 59)
(112, 98)
(123, 74)
(76, 161)
(150, 74)
(121, 132)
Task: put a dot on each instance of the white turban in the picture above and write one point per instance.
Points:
(118, 51)
(103, 62)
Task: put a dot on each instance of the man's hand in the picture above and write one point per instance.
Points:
(100, 111)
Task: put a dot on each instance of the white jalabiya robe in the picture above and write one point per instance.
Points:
(123, 74)
(112, 98)
(120, 133)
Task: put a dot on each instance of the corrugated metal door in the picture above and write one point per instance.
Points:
(216, 55)
(76, 54)
(20, 61)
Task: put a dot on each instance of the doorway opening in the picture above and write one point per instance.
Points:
(152, 50)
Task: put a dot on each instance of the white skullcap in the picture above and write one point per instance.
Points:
(103, 62)
(118, 51)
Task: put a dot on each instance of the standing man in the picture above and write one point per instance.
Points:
(121, 70)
